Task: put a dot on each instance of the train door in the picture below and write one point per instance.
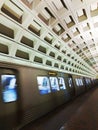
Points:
(71, 86)
(8, 99)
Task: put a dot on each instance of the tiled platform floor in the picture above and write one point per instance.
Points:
(79, 114)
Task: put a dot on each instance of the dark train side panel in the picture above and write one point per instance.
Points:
(34, 104)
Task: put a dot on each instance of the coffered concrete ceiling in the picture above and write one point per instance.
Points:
(60, 35)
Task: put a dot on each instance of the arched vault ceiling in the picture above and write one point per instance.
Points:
(58, 35)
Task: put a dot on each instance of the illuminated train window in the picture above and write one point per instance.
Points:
(43, 84)
(70, 82)
(61, 83)
(77, 82)
(81, 82)
(9, 92)
(54, 84)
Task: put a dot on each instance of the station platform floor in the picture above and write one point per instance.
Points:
(78, 114)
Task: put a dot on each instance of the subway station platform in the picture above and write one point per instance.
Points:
(78, 114)
(86, 116)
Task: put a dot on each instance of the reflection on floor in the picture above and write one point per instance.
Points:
(86, 117)
(79, 114)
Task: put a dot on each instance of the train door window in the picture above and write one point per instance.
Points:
(9, 92)
(61, 83)
(81, 82)
(77, 82)
(43, 84)
(54, 84)
(87, 81)
(70, 82)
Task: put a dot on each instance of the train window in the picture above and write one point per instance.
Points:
(70, 82)
(61, 83)
(87, 81)
(77, 82)
(9, 85)
(54, 84)
(43, 84)
(81, 82)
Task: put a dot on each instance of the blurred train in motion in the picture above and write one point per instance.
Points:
(29, 93)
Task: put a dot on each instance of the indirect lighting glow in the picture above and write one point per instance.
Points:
(80, 12)
(93, 6)
(30, 1)
(46, 15)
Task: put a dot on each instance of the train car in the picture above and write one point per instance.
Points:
(29, 93)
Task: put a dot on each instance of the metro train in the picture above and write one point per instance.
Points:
(29, 93)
